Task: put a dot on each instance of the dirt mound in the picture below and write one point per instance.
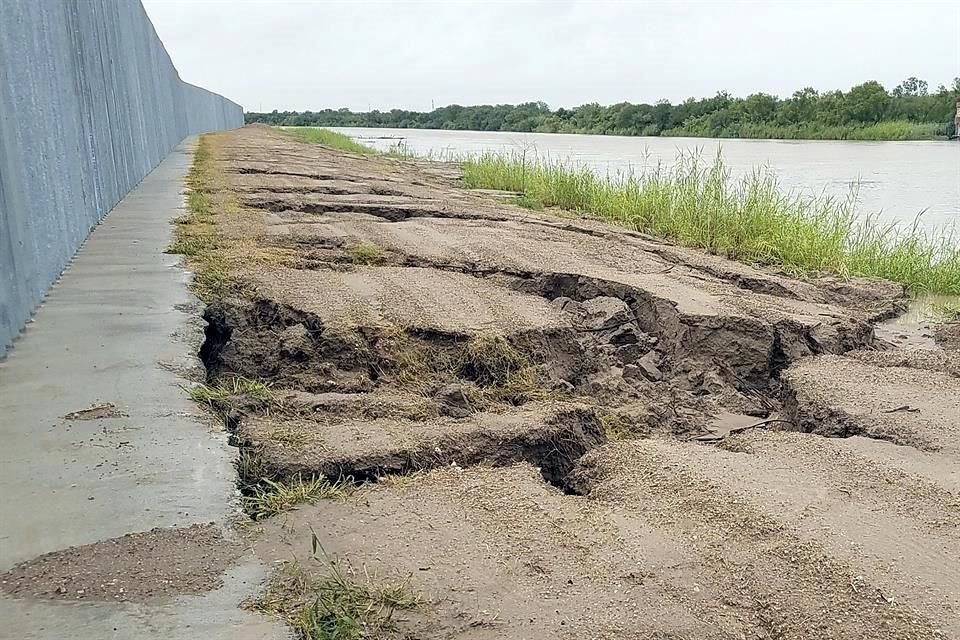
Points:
(138, 567)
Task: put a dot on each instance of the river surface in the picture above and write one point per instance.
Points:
(895, 180)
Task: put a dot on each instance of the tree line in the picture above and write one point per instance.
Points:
(867, 111)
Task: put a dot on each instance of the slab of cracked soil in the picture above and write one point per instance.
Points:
(947, 335)
(151, 566)
(552, 437)
(651, 552)
(791, 527)
(929, 359)
(427, 299)
(837, 396)
(564, 495)
(698, 312)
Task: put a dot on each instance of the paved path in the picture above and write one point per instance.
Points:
(115, 328)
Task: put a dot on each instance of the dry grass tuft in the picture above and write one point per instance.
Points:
(268, 498)
(288, 437)
(502, 373)
(230, 388)
(490, 360)
(342, 604)
(613, 426)
(400, 480)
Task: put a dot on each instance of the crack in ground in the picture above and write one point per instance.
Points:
(781, 342)
(554, 447)
(300, 174)
(293, 349)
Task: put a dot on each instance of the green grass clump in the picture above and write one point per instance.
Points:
(699, 204)
(528, 203)
(500, 372)
(367, 254)
(401, 151)
(342, 604)
(268, 498)
(251, 469)
(213, 278)
(231, 387)
(316, 135)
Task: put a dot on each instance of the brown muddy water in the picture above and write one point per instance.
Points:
(895, 180)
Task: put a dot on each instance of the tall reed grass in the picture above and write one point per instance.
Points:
(751, 219)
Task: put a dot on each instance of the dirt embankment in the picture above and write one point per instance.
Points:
(573, 430)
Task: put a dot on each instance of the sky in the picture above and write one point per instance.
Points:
(307, 54)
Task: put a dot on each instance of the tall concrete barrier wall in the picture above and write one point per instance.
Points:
(90, 103)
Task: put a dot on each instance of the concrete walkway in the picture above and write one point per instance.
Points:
(115, 328)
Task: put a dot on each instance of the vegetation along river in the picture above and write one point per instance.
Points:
(895, 180)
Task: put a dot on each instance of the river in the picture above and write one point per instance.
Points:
(895, 180)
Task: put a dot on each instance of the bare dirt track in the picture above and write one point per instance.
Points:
(572, 430)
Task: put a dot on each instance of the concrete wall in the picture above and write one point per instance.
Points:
(89, 103)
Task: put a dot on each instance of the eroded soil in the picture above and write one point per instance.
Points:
(138, 567)
(572, 430)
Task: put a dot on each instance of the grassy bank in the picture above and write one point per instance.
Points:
(888, 130)
(315, 135)
(699, 204)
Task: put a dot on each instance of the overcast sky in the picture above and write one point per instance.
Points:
(308, 54)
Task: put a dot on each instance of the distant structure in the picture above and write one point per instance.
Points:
(956, 122)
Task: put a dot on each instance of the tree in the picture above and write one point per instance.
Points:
(805, 113)
(912, 86)
(866, 103)
(801, 107)
(760, 107)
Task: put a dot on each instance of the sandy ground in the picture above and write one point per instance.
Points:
(535, 518)
(572, 430)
